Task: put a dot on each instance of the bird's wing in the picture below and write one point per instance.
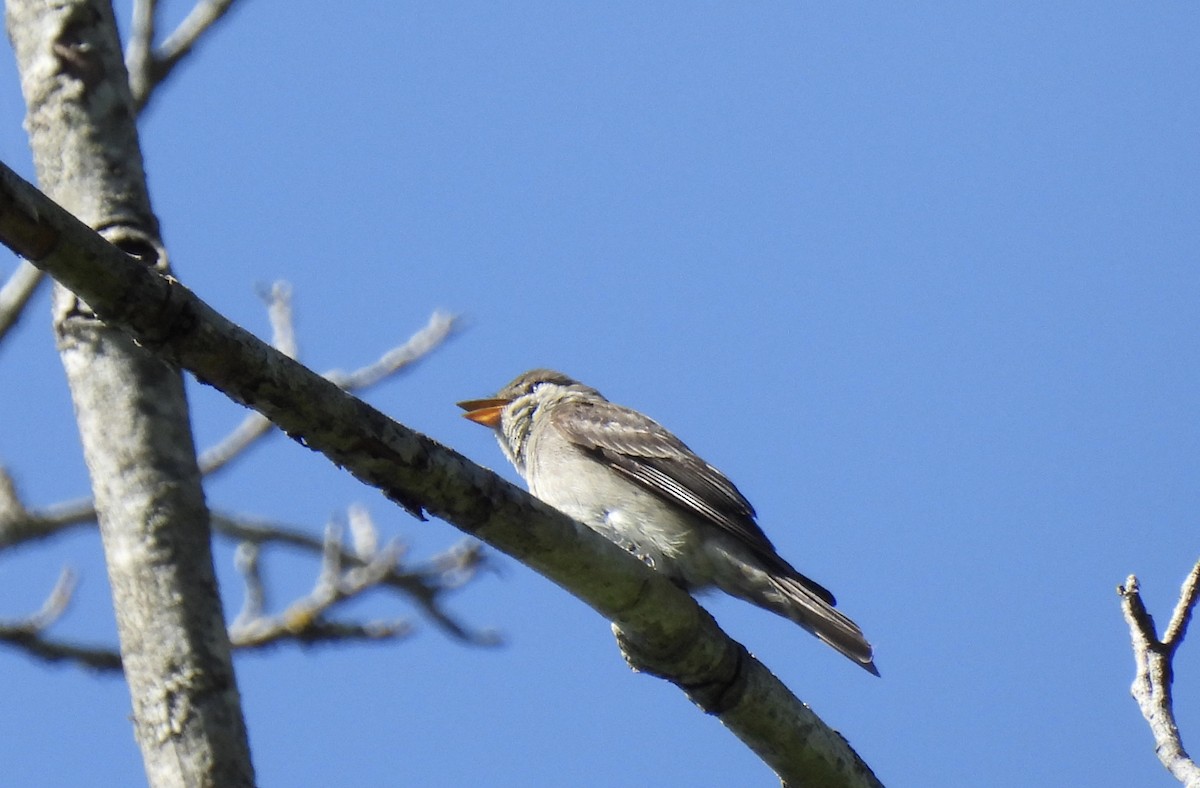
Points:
(642, 450)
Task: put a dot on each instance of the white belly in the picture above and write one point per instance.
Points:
(618, 508)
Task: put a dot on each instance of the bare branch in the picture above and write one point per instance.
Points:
(1154, 673)
(56, 603)
(278, 298)
(148, 69)
(245, 560)
(15, 294)
(305, 619)
(203, 16)
(251, 429)
(1182, 616)
(11, 508)
(254, 427)
(139, 53)
(100, 659)
(312, 632)
(424, 585)
(27, 634)
(18, 525)
(364, 536)
(304, 622)
(440, 327)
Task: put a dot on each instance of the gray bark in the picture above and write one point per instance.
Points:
(1152, 682)
(131, 409)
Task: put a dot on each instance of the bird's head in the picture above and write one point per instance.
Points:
(511, 411)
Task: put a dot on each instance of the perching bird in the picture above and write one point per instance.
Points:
(625, 476)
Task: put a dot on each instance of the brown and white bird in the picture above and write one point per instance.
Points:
(625, 476)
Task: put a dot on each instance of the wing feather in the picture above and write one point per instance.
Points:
(642, 450)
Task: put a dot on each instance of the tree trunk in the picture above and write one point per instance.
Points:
(131, 409)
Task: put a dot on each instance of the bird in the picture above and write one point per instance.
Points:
(627, 477)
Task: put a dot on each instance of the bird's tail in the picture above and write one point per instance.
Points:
(766, 580)
(794, 600)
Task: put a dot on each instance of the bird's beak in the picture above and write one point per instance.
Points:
(484, 411)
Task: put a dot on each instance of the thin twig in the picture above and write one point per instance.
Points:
(19, 526)
(139, 53)
(180, 43)
(104, 660)
(203, 15)
(56, 602)
(27, 634)
(306, 620)
(364, 536)
(1154, 672)
(11, 508)
(278, 298)
(245, 560)
(15, 294)
(1182, 616)
(149, 67)
(440, 327)
(251, 429)
(254, 426)
(424, 584)
(313, 632)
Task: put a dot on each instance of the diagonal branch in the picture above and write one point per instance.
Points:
(15, 294)
(27, 634)
(1182, 616)
(19, 525)
(149, 67)
(667, 632)
(255, 426)
(199, 20)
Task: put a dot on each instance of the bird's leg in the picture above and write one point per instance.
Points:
(637, 552)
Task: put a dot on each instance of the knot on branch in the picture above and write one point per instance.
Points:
(715, 680)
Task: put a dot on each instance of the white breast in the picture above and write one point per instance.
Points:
(575, 483)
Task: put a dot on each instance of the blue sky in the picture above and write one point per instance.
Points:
(920, 279)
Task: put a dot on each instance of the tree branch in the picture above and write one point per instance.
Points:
(18, 525)
(398, 359)
(305, 619)
(15, 294)
(425, 585)
(139, 53)
(1154, 672)
(148, 67)
(666, 631)
(27, 634)
(344, 575)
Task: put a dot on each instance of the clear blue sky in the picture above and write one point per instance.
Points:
(922, 280)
